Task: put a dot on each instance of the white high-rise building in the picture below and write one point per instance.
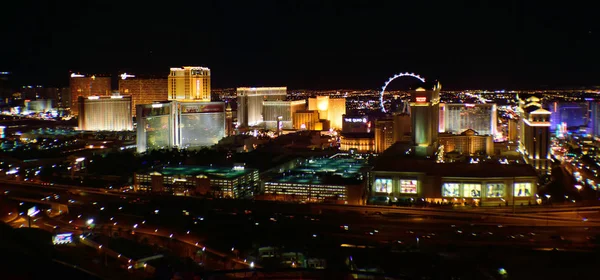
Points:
(250, 103)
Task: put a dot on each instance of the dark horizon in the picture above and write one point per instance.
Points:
(348, 44)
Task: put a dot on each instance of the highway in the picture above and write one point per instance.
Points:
(222, 225)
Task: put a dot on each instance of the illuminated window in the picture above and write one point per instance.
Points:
(383, 185)
(472, 190)
(451, 190)
(522, 189)
(495, 190)
(408, 186)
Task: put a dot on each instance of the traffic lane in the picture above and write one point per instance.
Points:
(126, 223)
(103, 196)
(464, 238)
(502, 235)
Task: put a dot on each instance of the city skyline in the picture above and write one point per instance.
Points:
(314, 46)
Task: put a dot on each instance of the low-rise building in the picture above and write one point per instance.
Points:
(199, 180)
(457, 183)
(337, 179)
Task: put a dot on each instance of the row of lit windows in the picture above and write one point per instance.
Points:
(492, 190)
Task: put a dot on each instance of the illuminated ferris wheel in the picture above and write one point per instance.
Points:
(393, 78)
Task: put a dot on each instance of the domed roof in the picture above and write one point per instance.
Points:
(533, 99)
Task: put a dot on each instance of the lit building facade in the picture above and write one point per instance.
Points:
(355, 124)
(105, 113)
(143, 90)
(456, 183)
(336, 179)
(595, 118)
(534, 142)
(189, 83)
(384, 134)
(272, 110)
(460, 117)
(83, 86)
(39, 106)
(513, 134)
(424, 112)
(331, 109)
(229, 128)
(250, 103)
(467, 143)
(305, 120)
(156, 126)
(189, 180)
(573, 114)
(200, 124)
(360, 142)
(402, 127)
(182, 124)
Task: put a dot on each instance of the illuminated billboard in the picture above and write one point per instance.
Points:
(63, 238)
(383, 185)
(32, 211)
(408, 186)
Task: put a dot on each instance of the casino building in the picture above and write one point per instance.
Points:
(456, 118)
(143, 90)
(250, 103)
(84, 86)
(107, 113)
(458, 183)
(182, 124)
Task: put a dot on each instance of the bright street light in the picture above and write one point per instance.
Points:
(90, 221)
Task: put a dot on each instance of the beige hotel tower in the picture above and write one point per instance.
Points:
(189, 83)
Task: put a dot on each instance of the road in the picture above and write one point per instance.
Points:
(223, 225)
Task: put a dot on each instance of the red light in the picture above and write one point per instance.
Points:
(421, 99)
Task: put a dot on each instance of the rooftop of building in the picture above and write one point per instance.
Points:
(210, 171)
(261, 88)
(430, 167)
(340, 169)
(358, 135)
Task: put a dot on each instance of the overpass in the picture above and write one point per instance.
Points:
(55, 206)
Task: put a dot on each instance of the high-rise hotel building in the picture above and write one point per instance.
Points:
(143, 90)
(331, 109)
(85, 86)
(534, 142)
(189, 83)
(250, 103)
(183, 124)
(457, 118)
(424, 113)
(272, 110)
(105, 113)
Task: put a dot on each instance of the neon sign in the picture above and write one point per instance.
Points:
(421, 99)
(356, 120)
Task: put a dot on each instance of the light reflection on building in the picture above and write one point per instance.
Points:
(331, 109)
(183, 124)
(272, 110)
(456, 118)
(108, 113)
(250, 103)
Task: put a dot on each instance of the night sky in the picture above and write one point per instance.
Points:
(323, 45)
